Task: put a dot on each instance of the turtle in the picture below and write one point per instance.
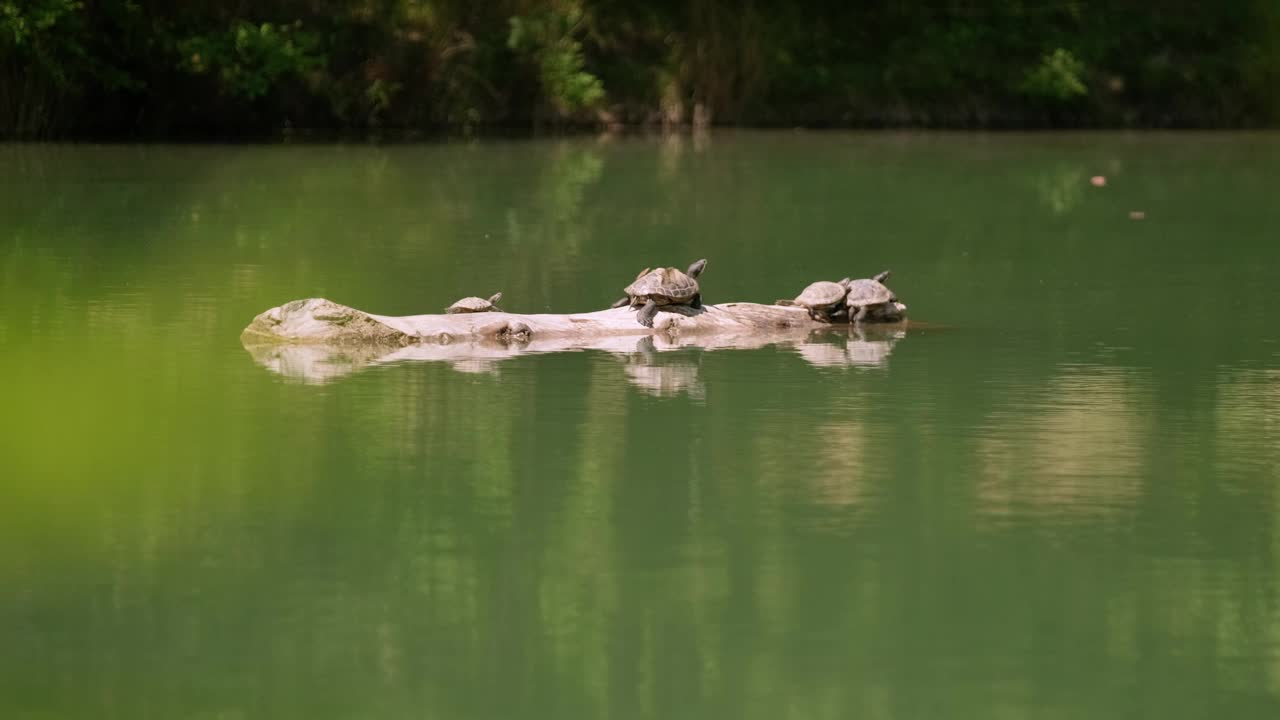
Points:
(663, 286)
(822, 299)
(475, 304)
(865, 294)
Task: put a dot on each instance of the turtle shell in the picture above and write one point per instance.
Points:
(473, 304)
(665, 286)
(822, 294)
(868, 292)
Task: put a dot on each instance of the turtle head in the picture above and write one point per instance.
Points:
(892, 311)
(696, 269)
(845, 283)
(881, 277)
(493, 299)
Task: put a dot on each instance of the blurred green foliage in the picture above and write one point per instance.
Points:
(250, 59)
(547, 38)
(21, 22)
(1058, 76)
(71, 67)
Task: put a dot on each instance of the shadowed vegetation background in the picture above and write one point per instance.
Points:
(71, 67)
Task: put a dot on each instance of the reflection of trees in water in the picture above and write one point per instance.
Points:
(592, 555)
(841, 460)
(1248, 419)
(674, 149)
(564, 176)
(410, 228)
(821, 464)
(1061, 189)
(412, 541)
(571, 170)
(1079, 451)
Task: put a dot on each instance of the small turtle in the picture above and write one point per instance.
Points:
(663, 286)
(475, 304)
(822, 299)
(867, 294)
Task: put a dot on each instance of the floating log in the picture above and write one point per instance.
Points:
(317, 341)
(320, 321)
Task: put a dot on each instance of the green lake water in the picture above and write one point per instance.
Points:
(1054, 495)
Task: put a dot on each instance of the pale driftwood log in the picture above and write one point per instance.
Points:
(317, 320)
(316, 340)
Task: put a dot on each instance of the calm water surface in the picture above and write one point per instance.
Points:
(1056, 500)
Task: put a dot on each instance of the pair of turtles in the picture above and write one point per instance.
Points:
(852, 299)
(655, 288)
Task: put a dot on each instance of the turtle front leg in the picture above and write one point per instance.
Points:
(622, 303)
(647, 313)
(856, 318)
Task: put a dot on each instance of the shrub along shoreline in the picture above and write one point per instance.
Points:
(81, 68)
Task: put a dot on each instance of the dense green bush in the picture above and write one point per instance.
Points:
(250, 59)
(157, 67)
(548, 37)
